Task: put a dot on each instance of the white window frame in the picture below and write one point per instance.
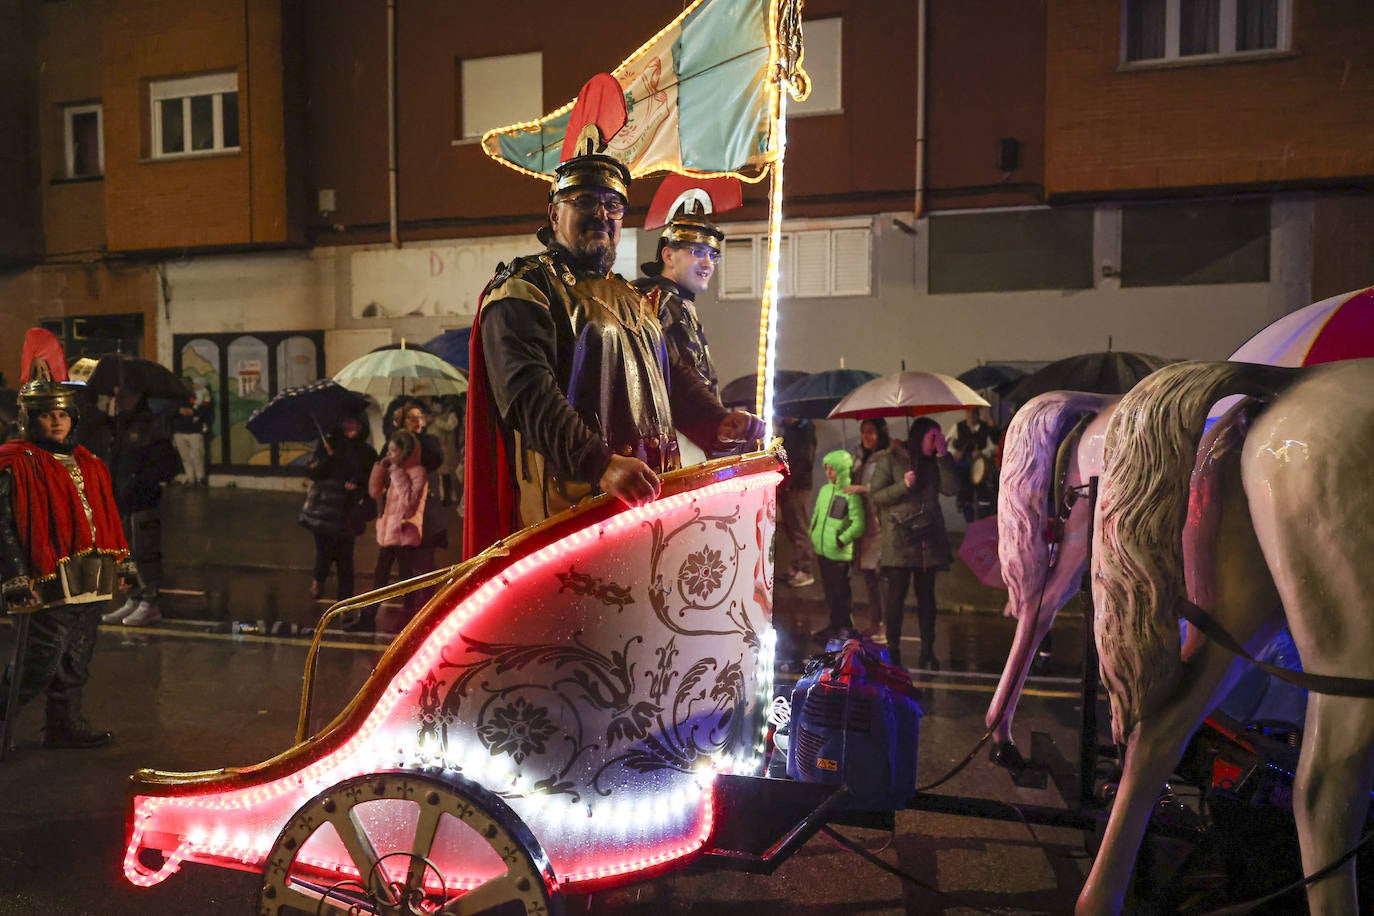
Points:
(506, 89)
(1226, 37)
(170, 91)
(825, 64)
(69, 138)
(816, 236)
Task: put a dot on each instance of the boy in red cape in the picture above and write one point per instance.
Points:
(60, 544)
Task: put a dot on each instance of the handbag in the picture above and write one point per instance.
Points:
(915, 525)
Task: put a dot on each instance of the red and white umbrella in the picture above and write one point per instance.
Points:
(1341, 327)
(906, 394)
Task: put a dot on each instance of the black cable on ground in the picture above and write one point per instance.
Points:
(896, 872)
(1319, 874)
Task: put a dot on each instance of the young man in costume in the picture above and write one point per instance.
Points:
(60, 546)
(688, 252)
(573, 388)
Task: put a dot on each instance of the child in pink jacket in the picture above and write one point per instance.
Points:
(398, 484)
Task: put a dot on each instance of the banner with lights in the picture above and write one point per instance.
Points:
(705, 97)
(588, 677)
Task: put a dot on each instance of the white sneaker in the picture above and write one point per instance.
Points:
(144, 615)
(119, 613)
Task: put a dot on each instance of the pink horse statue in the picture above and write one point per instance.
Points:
(1269, 522)
(1054, 444)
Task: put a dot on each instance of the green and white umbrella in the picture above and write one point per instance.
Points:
(388, 373)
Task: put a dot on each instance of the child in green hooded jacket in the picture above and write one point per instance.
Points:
(836, 523)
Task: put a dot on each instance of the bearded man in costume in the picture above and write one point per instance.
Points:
(61, 544)
(573, 388)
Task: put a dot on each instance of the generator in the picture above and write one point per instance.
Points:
(855, 721)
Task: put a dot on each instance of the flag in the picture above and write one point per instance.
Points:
(698, 98)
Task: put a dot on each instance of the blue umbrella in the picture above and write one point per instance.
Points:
(452, 346)
(813, 397)
(299, 414)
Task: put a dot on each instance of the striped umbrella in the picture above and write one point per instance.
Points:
(386, 374)
(1341, 327)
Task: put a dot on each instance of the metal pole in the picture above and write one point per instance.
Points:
(1087, 734)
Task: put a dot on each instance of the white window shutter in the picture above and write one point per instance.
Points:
(812, 254)
(737, 269)
(851, 256)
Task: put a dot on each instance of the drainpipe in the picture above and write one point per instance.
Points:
(391, 121)
(920, 109)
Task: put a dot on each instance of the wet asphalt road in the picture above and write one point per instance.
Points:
(212, 687)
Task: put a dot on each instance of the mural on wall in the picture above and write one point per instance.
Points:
(200, 370)
(246, 358)
(296, 358)
(429, 281)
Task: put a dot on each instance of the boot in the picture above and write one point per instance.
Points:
(366, 622)
(67, 728)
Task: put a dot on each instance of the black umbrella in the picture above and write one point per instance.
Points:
(743, 391)
(301, 413)
(992, 376)
(132, 373)
(813, 397)
(1107, 372)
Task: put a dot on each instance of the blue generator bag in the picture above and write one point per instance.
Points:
(856, 722)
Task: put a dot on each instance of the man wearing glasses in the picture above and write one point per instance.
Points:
(572, 386)
(688, 252)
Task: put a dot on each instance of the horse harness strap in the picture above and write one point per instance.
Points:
(1317, 683)
(1062, 496)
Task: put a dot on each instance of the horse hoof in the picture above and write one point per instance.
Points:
(1007, 756)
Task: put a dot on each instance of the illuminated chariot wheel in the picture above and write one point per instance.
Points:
(406, 842)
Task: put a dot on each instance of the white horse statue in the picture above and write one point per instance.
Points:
(1278, 527)
(1054, 445)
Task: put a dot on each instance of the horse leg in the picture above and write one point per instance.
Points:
(1029, 632)
(1331, 794)
(1152, 752)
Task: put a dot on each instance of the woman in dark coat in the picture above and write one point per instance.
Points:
(905, 489)
(337, 507)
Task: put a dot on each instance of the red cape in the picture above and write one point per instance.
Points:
(489, 491)
(48, 514)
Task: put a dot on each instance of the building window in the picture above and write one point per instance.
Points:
(1163, 30)
(83, 141)
(195, 116)
(823, 59)
(1008, 250)
(1195, 243)
(496, 91)
(812, 263)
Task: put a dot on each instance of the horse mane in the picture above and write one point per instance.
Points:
(1138, 573)
(1025, 490)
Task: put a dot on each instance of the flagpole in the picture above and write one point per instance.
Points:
(768, 313)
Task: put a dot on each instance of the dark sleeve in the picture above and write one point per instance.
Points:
(518, 344)
(949, 480)
(14, 564)
(431, 452)
(321, 464)
(159, 463)
(883, 489)
(697, 410)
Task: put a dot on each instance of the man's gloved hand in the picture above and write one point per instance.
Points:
(741, 426)
(630, 480)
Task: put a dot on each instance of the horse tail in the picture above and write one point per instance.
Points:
(1138, 573)
(1025, 490)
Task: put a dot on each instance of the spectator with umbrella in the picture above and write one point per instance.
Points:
(337, 507)
(906, 489)
(873, 441)
(397, 482)
(142, 458)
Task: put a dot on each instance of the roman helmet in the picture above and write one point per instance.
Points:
(689, 226)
